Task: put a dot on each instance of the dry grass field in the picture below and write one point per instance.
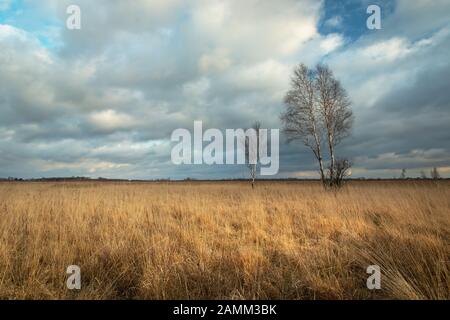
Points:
(223, 240)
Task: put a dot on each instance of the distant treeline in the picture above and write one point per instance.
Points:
(81, 179)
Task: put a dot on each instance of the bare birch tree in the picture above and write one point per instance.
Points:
(318, 113)
(301, 118)
(336, 114)
(435, 175)
(403, 174)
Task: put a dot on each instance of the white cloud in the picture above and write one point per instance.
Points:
(386, 51)
(331, 42)
(416, 160)
(254, 29)
(110, 120)
(196, 88)
(267, 75)
(218, 60)
(334, 22)
(87, 165)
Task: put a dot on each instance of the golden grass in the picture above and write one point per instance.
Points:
(223, 240)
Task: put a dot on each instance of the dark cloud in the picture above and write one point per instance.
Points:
(105, 101)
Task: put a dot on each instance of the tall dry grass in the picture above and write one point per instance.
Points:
(224, 240)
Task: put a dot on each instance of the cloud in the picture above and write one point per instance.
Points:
(110, 120)
(331, 43)
(415, 159)
(334, 22)
(105, 99)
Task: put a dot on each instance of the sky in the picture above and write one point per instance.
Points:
(103, 101)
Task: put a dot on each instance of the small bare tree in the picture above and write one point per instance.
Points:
(403, 174)
(342, 171)
(435, 174)
(252, 150)
(302, 118)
